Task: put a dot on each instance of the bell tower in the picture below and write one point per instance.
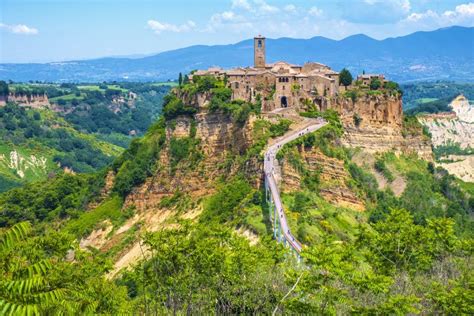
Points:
(259, 51)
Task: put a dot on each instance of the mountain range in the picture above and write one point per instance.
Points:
(443, 54)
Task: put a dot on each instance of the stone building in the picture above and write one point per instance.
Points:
(280, 84)
(367, 78)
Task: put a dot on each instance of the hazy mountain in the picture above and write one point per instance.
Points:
(446, 53)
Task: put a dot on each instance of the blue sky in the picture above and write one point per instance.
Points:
(54, 30)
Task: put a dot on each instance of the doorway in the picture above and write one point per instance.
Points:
(284, 102)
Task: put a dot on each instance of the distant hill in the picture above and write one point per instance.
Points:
(444, 54)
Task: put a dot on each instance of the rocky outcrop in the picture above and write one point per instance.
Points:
(333, 178)
(452, 127)
(36, 101)
(219, 138)
(371, 110)
(383, 139)
(460, 166)
(375, 122)
(24, 165)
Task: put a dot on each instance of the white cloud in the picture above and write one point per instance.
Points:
(241, 4)
(461, 14)
(291, 8)
(265, 8)
(465, 10)
(405, 5)
(225, 17)
(314, 11)
(19, 29)
(415, 17)
(159, 27)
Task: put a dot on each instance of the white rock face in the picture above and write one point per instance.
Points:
(456, 127)
(464, 111)
(23, 164)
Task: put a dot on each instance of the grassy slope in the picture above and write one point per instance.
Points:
(36, 149)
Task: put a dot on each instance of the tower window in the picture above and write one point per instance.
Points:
(259, 43)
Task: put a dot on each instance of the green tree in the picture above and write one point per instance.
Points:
(24, 288)
(180, 79)
(3, 88)
(375, 84)
(345, 77)
(186, 79)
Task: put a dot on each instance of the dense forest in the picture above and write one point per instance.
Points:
(433, 97)
(406, 254)
(83, 129)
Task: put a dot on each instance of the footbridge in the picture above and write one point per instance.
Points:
(281, 230)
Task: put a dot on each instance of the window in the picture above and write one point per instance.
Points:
(236, 85)
(259, 43)
(283, 87)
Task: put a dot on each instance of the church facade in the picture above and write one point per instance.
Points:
(280, 84)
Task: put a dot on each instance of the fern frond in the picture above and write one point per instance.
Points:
(10, 308)
(13, 235)
(39, 268)
(24, 287)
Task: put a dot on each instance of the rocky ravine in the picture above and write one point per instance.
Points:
(454, 127)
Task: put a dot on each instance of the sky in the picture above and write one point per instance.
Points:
(54, 30)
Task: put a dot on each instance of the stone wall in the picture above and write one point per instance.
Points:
(33, 100)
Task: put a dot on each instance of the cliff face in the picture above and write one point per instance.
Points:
(375, 124)
(219, 138)
(333, 178)
(383, 139)
(370, 110)
(32, 100)
(455, 127)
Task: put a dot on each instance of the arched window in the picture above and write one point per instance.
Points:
(259, 43)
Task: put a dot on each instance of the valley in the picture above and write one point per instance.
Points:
(188, 197)
(47, 128)
(282, 187)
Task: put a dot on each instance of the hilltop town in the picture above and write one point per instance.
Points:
(284, 85)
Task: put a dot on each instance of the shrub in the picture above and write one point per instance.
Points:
(375, 84)
(381, 167)
(280, 128)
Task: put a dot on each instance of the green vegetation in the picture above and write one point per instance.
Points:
(173, 107)
(434, 106)
(62, 197)
(86, 222)
(37, 280)
(417, 94)
(409, 254)
(375, 84)
(139, 161)
(345, 77)
(32, 129)
(95, 122)
(375, 88)
(381, 167)
(412, 127)
(451, 149)
(184, 148)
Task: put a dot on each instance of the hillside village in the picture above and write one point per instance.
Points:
(161, 158)
(349, 168)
